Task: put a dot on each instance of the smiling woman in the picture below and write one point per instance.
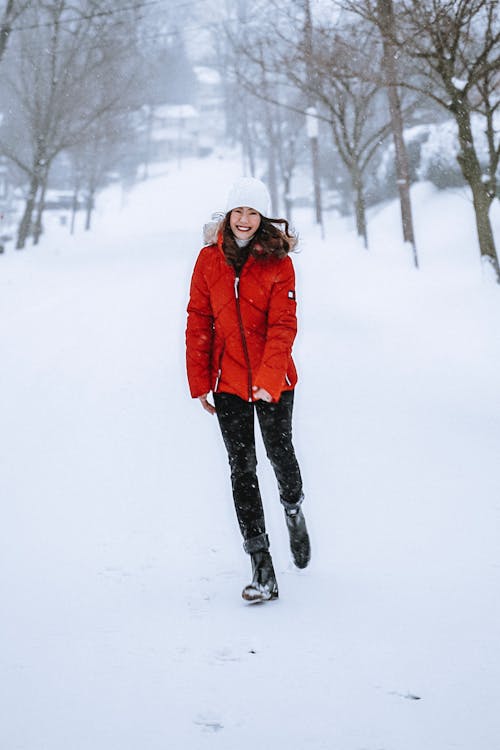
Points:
(240, 330)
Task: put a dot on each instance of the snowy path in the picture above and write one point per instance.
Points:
(122, 625)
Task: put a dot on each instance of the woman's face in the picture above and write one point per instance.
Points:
(244, 222)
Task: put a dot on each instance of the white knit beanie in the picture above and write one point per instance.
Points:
(249, 192)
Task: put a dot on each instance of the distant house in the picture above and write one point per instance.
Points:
(174, 131)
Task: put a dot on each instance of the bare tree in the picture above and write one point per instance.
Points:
(385, 15)
(454, 47)
(290, 141)
(459, 47)
(311, 75)
(322, 68)
(247, 139)
(94, 159)
(66, 79)
(261, 111)
(12, 11)
(353, 106)
(385, 73)
(347, 100)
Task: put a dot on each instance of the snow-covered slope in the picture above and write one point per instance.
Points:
(121, 567)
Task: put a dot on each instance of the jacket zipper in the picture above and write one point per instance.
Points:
(243, 338)
(219, 371)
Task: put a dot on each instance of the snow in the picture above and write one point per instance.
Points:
(207, 76)
(459, 83)
(121, 565)
(442, 145)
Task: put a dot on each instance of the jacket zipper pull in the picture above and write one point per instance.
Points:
(236, 283)
(217, 380)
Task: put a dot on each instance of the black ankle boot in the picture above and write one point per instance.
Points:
(263, 586)
(299, 538)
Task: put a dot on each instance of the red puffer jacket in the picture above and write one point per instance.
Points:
(240, 331)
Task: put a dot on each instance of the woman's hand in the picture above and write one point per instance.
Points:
(260, 394)
(206, 404)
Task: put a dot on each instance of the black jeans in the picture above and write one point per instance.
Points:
(236, 420)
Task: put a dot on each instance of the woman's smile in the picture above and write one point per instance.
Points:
(244, 222)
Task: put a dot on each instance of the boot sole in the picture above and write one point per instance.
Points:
(254, 596)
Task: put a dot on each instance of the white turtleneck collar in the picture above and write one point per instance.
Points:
(242, 243)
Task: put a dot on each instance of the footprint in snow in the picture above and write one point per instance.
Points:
(406, 696)
(225, 655)
(208, 724)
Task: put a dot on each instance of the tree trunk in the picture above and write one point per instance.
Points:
(247, 137)
(272, 178)
(316, 181)
(25, 223)
(89, 208)
(149, 141)
(311, 75)
(37, 230)
(386, 25)
(6, 27)
(360, 207)
(484, 231)
(287, 198)
(74, 209)
(471, 170)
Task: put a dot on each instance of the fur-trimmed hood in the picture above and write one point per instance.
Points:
(212, 228)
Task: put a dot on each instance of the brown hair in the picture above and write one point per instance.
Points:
(269, 241)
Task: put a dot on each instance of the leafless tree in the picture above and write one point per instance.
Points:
(66, 78)
(263, 113)
(386, 23)
(322, 67)
(290, 142)
(454, 47)
(328, 71)
(352, 105)
(458, 44)
(95, 159)
(12, 11)
(311, 75)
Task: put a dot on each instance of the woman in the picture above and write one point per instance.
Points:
(240, 330)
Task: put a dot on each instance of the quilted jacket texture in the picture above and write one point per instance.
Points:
(240, 331)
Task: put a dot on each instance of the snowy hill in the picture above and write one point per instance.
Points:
(121, 566)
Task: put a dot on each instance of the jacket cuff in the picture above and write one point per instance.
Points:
(271, 381)
(200, 390)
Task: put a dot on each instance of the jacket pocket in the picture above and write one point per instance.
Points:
(291, 375)
(217, 370)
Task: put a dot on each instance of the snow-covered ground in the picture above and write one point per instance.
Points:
(121, 567)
